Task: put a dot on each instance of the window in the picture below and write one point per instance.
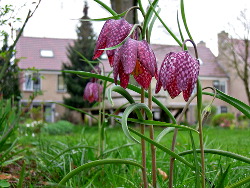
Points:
(32, 82)
(60, 83)
(223, 109)
(46, 53)
(220, 85)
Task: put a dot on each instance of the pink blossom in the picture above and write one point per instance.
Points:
(136, 58)
(112, 33)
(178, 73)
(92, 92)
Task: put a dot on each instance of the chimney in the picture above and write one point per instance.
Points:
(201, 44)
(222, 40)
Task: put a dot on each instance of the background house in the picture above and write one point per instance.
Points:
(41, 62)
(235, 50)
(48, 54)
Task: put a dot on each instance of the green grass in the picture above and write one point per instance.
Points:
(57, 155)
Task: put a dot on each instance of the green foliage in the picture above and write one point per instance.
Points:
(84, 44)
(58, 128)
(57, 155)
(223, 120)
(9, 117)
(9, 84)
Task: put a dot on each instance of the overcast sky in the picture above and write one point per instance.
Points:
(205, 18)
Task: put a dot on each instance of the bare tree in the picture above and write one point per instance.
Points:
(234, 53)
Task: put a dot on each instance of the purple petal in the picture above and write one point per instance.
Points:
(117, 64)
(129, 55)
(143, 77)
(102, 39)
(147, 57)
(117, 33)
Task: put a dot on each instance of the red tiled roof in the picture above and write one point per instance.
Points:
(30, 47)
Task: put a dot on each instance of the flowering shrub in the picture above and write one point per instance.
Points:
(31, 127)
(223, 120)
(58, 128)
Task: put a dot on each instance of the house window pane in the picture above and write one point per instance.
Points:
(32, 82)
(61, 85)
(46, 53)
(223, 109)
(28, 82)
(36, 82)
(220, 85)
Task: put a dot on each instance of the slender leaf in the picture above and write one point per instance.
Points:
(163, 133)
(163, 148)
(76, 109)
(222, 177)
(152, 23)
(70, 149)
(220, 152)
(117, 148)
(106, 7)
(141, 8)
(148, 17)
(126, 113)
(121, 91)
(184, 20)
(166, 27)
(156, 123)
(21, 178)
(118, 16)
(196, 163)
(239, 183)
(130, 86)
(179, 27)
(94, 164)
(241, 106)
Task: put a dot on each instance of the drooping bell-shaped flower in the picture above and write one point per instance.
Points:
(178, 73)
(112, 33)
(136, 58)
(92, 92)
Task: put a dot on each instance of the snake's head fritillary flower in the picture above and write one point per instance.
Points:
(136, 58)
(112, 33)
(96, 70)
(178, 73)
(92, 92)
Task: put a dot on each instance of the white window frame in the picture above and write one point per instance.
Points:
(46, 53)
(220, 81)
(60, 90)
(31, 82)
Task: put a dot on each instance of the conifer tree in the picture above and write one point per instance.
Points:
(9, 84)
(84, 44)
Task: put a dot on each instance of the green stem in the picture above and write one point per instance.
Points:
(151, 132)
(199, 106)
(143, 145)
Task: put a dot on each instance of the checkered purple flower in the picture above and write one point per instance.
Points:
(112, 33)
(92, 92)
(136, 58)
(178, 73)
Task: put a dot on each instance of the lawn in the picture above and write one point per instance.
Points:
(49, 158)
